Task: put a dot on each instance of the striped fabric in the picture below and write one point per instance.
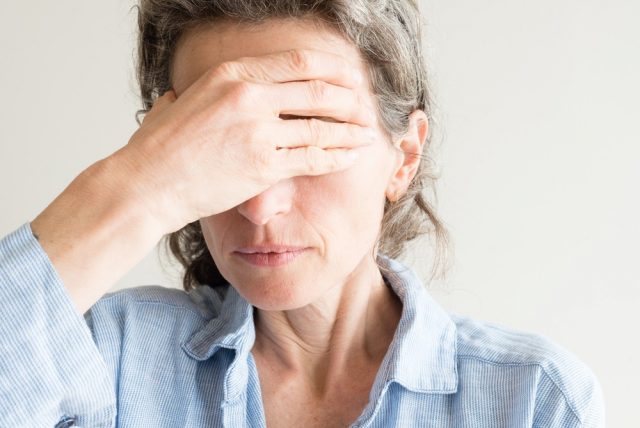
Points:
(156, 357)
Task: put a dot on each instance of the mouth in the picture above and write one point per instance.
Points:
(264, 249)
(271, 258)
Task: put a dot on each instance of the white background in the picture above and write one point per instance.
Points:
(539, 107)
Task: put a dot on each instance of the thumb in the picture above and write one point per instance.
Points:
(161, 104)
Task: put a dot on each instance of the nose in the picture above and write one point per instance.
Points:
(274, 201)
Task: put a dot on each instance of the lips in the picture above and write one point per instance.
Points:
(264, 249)
(270, 256)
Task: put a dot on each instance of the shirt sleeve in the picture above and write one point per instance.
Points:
(568, 395)
(51, 371)
(595, 414)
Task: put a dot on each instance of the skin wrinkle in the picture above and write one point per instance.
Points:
(325, 321)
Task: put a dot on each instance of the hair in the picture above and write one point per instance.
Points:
(388, 36)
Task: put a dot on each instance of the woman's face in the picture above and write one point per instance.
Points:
(335, 217)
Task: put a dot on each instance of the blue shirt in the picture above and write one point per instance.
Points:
(157, 357)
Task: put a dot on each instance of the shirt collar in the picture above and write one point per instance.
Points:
(422, 355)
(230, 325)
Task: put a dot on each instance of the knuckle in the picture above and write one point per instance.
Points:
(225, 70)
(312, 161)
(352, 132)
(300, 60)
(262, 161)
(243, 93)
(318, 92)
(332, 163)
(261, 154)
(314, 130)
(257, 162)
(233, 79)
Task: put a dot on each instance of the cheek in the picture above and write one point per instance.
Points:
(214, 229)
(338, 193)
(347, 205)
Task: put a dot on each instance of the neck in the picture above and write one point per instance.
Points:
(348, 330)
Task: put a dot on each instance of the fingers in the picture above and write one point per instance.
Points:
(296, 65)
(321, 134)
(166, 99)
(318, 98)
(313, 160)
(160, 105)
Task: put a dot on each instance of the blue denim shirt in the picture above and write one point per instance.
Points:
(156, 357)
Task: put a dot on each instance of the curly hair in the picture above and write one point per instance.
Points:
(387, 34)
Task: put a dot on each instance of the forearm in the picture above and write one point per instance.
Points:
(96, 230)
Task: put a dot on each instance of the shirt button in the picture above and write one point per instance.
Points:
(66, 422)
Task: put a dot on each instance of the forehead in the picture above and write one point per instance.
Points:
(208, 45)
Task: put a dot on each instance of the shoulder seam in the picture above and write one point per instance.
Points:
(573, 410)
(544, 371)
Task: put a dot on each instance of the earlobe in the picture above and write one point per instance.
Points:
(411, 144)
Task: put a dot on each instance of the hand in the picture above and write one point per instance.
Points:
(225, 139)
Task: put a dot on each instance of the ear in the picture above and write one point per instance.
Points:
(411, 143)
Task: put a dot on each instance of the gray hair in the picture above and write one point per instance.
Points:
(388, 36)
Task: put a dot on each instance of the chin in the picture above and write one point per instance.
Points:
(273, 295)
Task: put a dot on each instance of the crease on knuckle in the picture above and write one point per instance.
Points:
(261, 154)
(312, 160)
(257, 164)
(300, 60)
(226, 70)
(314, 130)
(318, 93)
(262, 162)
(351, 132)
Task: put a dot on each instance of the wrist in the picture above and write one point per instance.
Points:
(142, 190)
(95, 231)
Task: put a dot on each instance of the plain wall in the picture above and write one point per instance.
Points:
(539, 159)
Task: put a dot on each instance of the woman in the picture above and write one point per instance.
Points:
(295, 311)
